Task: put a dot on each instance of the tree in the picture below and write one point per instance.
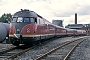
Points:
(6, 18)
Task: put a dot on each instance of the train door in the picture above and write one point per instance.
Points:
(38, 21)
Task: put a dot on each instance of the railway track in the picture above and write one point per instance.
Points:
(18, 53)
(5, 50)
(61, 52)
(11, 53)
(40, 50)
(14, 53)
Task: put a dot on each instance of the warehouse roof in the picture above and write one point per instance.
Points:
(87, 25)
(75, 26)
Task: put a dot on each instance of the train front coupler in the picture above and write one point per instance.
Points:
(16, 39)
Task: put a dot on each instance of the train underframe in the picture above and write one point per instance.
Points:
(33, 40)
(28, 40)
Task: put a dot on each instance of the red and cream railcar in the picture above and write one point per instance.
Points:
(27, 27)
(60, 31)
(71, 32)
(81, 32)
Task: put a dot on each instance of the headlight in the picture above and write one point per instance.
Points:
(18, 29)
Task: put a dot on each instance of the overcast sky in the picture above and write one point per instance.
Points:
(51, 9)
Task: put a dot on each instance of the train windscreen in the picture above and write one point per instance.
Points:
(14, 19)
(29, 20)
(20, 19)
(24, 20)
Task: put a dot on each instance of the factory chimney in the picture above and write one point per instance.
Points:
(75, 18)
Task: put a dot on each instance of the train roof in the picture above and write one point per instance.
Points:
(25, 13)
(59, 26)
(64, 28)
(70, 29)
(75, 26)
(81, 30)
(28, 13)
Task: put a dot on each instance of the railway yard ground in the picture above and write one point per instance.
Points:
(55, 50)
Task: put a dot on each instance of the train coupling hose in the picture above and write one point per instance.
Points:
(16, 36)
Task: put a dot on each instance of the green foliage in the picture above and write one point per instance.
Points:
(6, 18)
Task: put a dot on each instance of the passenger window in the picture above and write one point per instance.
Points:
(32, 20)
(20, 19)
(26, 19)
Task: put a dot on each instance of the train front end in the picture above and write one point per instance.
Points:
(22, 27)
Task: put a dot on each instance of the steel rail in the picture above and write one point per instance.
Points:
(7, 50)
(22, 52)
(43, 55)
(19, 53)
(66, 57)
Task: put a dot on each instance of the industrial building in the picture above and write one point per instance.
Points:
(58, 22)
(79, 26)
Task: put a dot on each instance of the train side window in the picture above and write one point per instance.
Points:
(39, 21)
(32, 20)
(20, 19)
(26, 19)
(51, 27)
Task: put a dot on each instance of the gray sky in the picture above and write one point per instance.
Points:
(51, 9)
